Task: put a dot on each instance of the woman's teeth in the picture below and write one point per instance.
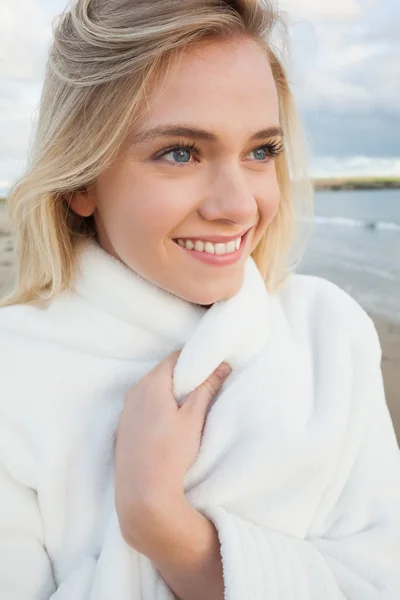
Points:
(209, 247)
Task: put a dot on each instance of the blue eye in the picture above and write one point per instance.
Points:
(180, 151)
(264, 152)
(180, 154)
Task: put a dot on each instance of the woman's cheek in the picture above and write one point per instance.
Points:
(270, 208)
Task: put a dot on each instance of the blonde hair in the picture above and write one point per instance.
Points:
(105, 56)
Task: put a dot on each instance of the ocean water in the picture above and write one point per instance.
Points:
(356, 244)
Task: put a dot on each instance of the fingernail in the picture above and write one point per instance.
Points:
(223, 370)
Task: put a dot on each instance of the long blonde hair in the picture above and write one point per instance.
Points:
(104, 57)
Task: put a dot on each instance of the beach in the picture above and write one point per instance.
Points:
(388, 330)
(389, 334)
(7, 258)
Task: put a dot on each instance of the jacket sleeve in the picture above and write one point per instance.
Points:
(26, 570)
(352, 551)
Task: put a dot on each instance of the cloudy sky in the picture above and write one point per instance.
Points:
(345, 74)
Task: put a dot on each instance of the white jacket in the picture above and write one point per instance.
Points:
(299, 467)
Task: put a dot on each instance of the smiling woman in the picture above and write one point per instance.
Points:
(182, 415)
(214, 175)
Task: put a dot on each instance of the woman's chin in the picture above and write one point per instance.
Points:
(207, 298)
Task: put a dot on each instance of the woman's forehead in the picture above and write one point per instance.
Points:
(213, 94)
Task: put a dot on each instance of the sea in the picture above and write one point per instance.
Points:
(356, 244)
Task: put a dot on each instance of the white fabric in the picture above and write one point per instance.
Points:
(299, 468)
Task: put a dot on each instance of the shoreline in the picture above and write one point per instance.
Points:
(388, 330)
(350, 184)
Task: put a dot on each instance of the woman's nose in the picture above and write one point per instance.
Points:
(231, 198)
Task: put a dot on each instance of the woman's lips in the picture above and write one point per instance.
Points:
(218, 259)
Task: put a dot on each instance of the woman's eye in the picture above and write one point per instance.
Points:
(261, 153)
(180, 155)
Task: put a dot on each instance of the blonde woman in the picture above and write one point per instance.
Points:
(182, 415)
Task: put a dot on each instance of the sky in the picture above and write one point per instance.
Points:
(344, 73)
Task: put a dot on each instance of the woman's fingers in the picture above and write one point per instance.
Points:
(160, 376)
(200, 399)
(197, 401)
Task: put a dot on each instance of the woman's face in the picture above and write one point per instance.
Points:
(225, 185)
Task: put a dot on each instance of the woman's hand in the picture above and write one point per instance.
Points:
(157, 442)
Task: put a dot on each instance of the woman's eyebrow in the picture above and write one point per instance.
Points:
(201, 134)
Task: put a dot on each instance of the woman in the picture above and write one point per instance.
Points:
(182, 416)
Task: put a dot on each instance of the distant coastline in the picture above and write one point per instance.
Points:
(357, 183)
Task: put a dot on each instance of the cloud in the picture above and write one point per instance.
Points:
(355, 166)
(18, 104)
(337, 65)
(25, 33)
(346, 79)
(25, 36)
(372, 134)
(340, 9)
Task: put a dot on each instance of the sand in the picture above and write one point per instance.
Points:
(389, 332)
(6, 254)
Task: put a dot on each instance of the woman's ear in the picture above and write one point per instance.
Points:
(82, 202)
